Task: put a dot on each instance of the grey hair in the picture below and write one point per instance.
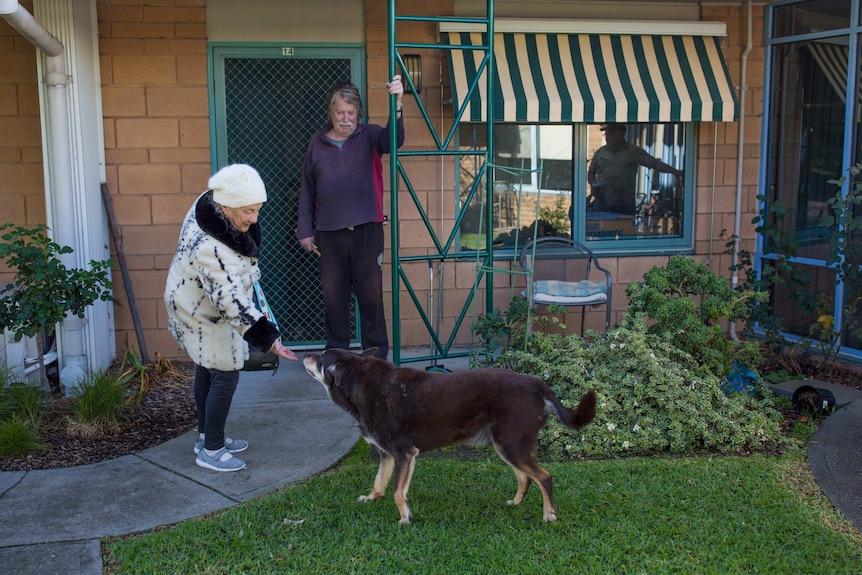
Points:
(347, 92)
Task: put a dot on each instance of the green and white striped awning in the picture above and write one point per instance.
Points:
(551, 77)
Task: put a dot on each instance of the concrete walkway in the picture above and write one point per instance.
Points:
(835, 450)
(51, 521)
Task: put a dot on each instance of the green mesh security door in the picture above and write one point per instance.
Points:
(268, 100)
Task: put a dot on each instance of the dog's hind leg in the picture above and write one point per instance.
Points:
(410, 474)
(526, 468)
(405, 463)
(523, 480)
(546, 485)
(381, 480)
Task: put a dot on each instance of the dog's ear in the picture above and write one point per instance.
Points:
(369, 352)
(333, 369)
(332, 364)
(327, 360)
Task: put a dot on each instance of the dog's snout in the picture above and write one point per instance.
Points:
(309, 363)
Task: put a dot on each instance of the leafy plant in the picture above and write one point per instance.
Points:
(45, 291)
(497, 328)
(557, 217)
(98, 401)
(500, 330)
(780, 376)
(18, 437)
(844, 222)
(688, 303)
(653, 397)
(781, 276)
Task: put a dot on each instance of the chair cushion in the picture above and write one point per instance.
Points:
(563, 300)
(560, 288)
(584, 292)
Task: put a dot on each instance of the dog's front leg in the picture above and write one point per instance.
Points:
(381, 480)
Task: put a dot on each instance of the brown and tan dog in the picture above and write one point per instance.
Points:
(404, 411)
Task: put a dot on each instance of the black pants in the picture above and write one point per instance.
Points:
(213, 395)
(352, 260)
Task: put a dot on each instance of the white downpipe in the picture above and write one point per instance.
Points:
(60, 184)
(74, 366)
(30, 28)
(737, 217)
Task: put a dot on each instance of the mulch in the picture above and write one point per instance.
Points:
(841, 373)
(168, 411)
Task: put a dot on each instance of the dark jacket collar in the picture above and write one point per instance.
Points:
(214, 224)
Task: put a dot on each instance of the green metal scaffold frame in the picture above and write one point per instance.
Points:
(443, 249)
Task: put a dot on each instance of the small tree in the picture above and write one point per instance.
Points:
(839, 230)
(688, 303)
(45, 290)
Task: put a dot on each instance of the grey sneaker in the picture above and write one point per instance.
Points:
(235, 445)
(221, 461)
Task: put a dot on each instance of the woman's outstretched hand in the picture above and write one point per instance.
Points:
(282, 351)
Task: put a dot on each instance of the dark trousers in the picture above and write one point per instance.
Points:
(213, 395)
(352, 260)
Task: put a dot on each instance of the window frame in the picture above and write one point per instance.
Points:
(773, 40)
(653, 245)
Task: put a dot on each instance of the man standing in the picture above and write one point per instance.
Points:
(340, 214)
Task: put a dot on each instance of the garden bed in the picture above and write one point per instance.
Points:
(168, 411)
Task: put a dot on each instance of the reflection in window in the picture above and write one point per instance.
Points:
(811, 16)
(804, 304)
(598, 184)
(812, 107)
(532, 176)
(635, 184)
(808, 96)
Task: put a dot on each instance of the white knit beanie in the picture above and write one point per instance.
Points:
(237, 186)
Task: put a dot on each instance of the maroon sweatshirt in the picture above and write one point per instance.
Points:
(343, 187)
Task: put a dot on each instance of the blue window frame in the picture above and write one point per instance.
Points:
(811, 137)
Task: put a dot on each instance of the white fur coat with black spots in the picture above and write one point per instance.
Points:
(209, 292)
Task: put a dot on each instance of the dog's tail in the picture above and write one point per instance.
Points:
(574, 418)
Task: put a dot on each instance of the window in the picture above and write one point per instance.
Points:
(612, 186)
(813, 95)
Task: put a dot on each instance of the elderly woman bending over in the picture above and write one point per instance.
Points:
(209, 296)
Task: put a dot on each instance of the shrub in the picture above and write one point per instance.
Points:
(652, 397)
(24, 401)
(99, 401)
(783, 274)
(18, 437)
(501, 330)
(498, 329)
(45, 291)
(688, 302)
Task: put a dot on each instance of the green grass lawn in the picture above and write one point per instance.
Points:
(723, 515)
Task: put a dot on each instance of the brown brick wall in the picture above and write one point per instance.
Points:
(22, 190)
(726, 150)
(156, 128)
(154, 90)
